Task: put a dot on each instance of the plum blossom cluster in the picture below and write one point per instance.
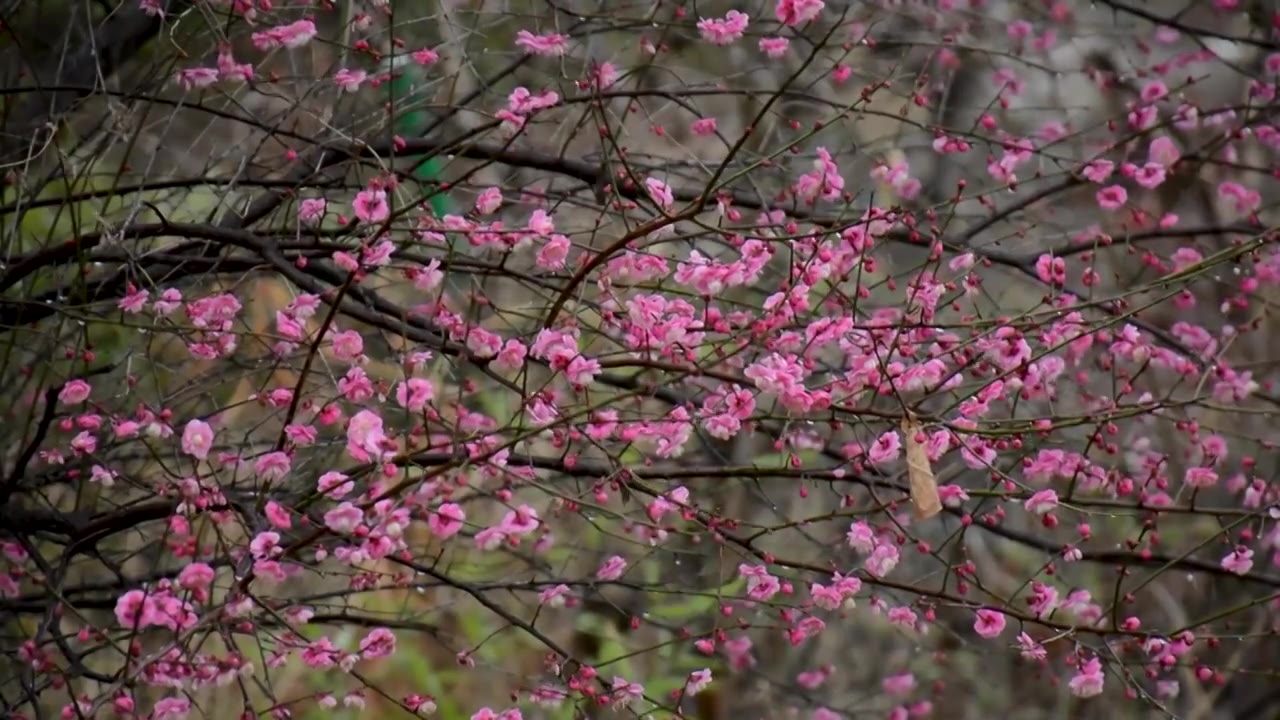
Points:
(765, 386)
(824, 363)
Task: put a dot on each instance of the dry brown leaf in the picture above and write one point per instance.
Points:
(924, 488)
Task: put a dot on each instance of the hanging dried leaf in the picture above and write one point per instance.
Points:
(924, 488)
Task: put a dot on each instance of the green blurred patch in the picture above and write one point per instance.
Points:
(782, 460)
(97, 204)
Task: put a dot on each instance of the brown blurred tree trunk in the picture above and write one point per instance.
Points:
(62, 74)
